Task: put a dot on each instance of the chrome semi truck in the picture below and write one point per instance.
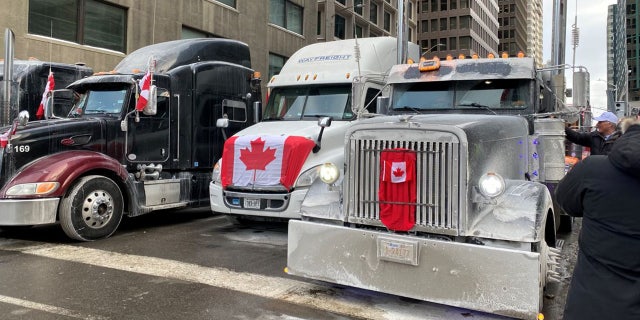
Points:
(111, 155)
(447, 198)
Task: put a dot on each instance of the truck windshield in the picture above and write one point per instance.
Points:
(99, 102)
(297, 103)
(495, 94)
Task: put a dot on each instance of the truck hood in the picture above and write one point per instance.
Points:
(40, 138)
(332, 144)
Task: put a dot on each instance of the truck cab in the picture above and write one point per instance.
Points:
(321, 91)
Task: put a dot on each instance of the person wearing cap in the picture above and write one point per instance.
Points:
(601, 140)
(603, 191)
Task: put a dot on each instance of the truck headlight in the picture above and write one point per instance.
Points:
(329, 173)
(30, 189)
(215, 174)
(491, 185)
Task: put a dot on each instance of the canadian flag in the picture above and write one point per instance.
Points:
(263, 160)
(397, 192)
(48, 88)
(145, 84)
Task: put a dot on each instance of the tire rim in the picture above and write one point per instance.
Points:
(97, 209)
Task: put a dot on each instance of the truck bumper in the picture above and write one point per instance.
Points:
(28, 212)
(489, 279)
(292, 210)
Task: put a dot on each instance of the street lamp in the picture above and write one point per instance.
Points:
(433, 47)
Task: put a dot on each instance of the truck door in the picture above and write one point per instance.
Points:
(149, 137)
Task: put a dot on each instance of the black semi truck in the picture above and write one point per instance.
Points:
(106, 158)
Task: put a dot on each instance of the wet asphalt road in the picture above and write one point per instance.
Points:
(188, 265)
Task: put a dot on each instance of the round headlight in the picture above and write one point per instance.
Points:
(328, 173)
(491, 184)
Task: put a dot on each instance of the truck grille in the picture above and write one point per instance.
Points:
(438, 172)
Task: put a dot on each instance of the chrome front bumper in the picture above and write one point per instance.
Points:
(489, 279)
(28, 212)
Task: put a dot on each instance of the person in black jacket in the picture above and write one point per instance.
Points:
(604, 190)
(601, 140)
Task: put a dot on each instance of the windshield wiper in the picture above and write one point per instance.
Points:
(408, 108)
(477, 105)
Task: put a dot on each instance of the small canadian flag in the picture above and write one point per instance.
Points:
(263, 160)
(397, 189)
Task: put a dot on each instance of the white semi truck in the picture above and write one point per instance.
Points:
(448, 198)
(267, 169)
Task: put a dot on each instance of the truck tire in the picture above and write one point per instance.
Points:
(92, 209)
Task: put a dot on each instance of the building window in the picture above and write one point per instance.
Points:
(190, 33)
(452, 43)
(230, 3)
(373, 13)
(443, 24)
(410, 10)
(424, 26)
(275, 64)
(387, 21)
(286, 14)
(342, 2)
(453, 4)
(359, 31)
(464, 4)
(465, 22)
(340, 27)
(464, 42)
(434, 5)
(453, 23)
(358, 6)
(443, 5)
(434, 25)
(87, 22)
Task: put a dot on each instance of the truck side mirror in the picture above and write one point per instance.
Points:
(152, 105)
(322, 123)
(382, 105)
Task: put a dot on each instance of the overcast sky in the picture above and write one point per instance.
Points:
(592, 48)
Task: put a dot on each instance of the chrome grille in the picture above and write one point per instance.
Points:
(438, 173)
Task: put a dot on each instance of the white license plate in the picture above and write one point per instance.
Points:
(396, 250)
(251, 203)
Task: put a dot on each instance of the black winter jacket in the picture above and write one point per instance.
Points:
(604, 191)
(593, 140)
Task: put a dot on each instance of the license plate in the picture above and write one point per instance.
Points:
(251, 203)
(396, 250)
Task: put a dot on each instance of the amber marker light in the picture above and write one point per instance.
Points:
(520, 54)
(491, 56)
(461, 56)
(505, 55)
(46, 187)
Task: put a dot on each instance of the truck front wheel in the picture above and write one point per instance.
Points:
(92, 209)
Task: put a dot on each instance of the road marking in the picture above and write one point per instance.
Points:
(292, 291)
(315, 296)
(48, 308)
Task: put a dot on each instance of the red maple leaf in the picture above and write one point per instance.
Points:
(398, 172)
(257, 158)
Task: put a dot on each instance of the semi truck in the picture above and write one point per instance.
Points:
(335, 81)
(448, 198)
(29, 79)
(109, 156)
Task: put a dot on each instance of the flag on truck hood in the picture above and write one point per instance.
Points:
(145, 84)
(254, 160)
(48, 88)
(397, 193)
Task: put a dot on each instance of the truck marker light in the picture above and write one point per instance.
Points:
(491, 56)
(505, 55)
(461, 56)
(348, 75)
(46, 187)
(315, 76)
(298, 78)
(306, 77)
